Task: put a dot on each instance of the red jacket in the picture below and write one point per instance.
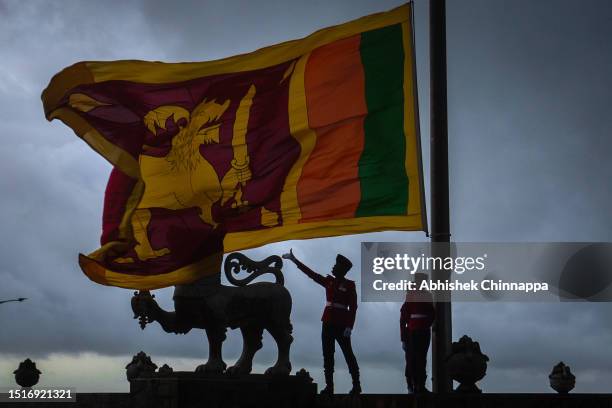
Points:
(417, 312)
(341, 295)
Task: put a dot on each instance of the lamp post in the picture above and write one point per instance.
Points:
(12, 300)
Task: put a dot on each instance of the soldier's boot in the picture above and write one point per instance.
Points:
(410, 385)
(419, 386)
(329, 384)
(356, 390)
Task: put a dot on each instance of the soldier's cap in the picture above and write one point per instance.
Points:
(344, 262)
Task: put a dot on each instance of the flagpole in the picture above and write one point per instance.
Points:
(440, 225)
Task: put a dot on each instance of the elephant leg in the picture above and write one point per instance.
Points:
(283, 338)
(251, 337)
(215, 364)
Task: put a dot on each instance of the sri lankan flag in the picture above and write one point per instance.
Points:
(310, 138)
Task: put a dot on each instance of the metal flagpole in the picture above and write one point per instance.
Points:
(440, 226)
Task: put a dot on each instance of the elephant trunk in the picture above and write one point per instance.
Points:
(146, 310)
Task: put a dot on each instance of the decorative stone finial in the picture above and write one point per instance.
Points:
(305, 375)
(467, 364)
(27, 375)
(140, 366)
(165, 370)
(561, 379)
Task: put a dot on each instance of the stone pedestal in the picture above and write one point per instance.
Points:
(188, 389)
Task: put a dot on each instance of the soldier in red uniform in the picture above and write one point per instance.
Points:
(416, 317)
(338, 318)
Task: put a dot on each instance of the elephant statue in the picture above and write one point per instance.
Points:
(207, 304)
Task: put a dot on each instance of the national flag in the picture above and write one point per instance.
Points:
(311, 138)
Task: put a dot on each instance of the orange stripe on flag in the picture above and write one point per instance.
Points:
(335, 97)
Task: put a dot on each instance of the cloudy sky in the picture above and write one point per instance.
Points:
(529, 126)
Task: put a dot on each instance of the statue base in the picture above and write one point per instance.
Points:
(189, 389)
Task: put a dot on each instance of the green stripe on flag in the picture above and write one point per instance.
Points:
(382, 172)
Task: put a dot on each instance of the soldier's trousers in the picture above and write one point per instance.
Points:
(417, 347)
(330, 334)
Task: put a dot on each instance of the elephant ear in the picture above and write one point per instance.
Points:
(158, 117)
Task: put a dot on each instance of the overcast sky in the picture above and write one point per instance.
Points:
(529, 132)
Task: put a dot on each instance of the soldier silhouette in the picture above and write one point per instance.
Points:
(338, 318)
(416, 317)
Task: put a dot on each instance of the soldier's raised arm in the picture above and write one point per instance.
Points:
(309, 272)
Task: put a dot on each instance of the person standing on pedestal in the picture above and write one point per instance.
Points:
(416, 318)
(338, 318)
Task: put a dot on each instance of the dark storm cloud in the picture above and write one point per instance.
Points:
(529, 126)
(529, 101)
(209, 29)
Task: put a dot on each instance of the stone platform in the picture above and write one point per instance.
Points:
(188, 389)
(122, 400)
(552, 400)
